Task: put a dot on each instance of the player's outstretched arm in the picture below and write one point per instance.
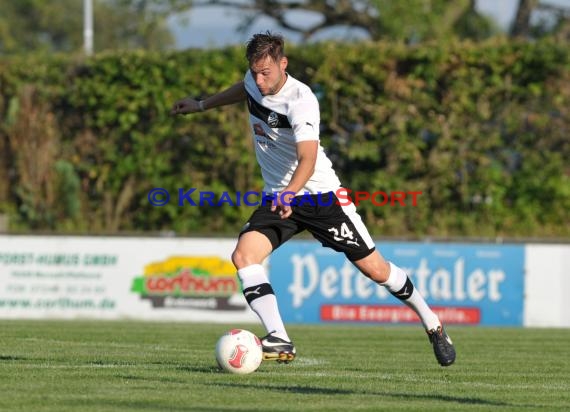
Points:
(234, 94)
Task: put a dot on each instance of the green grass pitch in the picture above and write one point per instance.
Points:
(140, 366)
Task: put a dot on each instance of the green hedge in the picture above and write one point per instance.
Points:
(480, 129)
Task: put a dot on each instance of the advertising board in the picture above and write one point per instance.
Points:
(464, 283)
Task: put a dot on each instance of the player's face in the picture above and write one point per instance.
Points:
(269, 75)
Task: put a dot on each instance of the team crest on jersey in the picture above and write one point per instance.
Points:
(272, 119)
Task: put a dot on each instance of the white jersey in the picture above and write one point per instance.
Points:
(278, 123)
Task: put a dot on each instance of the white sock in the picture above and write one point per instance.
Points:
(265, 306)
(401, 286)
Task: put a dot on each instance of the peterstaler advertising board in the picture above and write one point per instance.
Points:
(465, 284)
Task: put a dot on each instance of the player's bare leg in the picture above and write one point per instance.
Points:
(252, 249)
(398, 284)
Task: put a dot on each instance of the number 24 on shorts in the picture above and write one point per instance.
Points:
(345, 234)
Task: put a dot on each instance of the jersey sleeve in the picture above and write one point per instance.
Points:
(249, 84)
(305, 118)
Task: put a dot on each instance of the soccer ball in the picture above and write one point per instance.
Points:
(239, 351)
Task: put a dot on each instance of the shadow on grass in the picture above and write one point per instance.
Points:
(198, 369)
(11, 358)
(399, 395)
(192, 369)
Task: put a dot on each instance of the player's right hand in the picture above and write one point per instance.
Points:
(185, 106)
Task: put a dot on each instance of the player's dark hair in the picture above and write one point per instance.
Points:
(265, 44)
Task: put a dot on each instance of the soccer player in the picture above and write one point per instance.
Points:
(284, 116)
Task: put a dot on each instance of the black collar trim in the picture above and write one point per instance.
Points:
(272, 119)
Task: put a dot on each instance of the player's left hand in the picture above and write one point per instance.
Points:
(282, 204)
